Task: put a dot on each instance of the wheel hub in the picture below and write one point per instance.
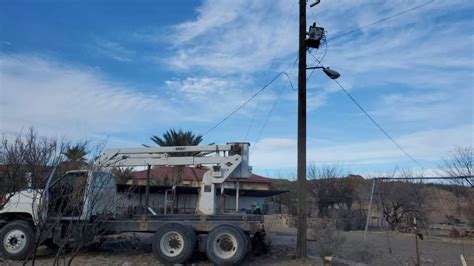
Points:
(14, 241)
(225, 246)
(172, 244)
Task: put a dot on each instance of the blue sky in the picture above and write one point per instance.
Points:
(126, 70)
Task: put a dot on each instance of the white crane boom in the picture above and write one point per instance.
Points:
(233, 162)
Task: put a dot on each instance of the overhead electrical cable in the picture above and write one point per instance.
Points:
(322, 58)
(247, 101)
(272, 108)
(380, 21)
(270, 69)
(372, 24)
(378, 125)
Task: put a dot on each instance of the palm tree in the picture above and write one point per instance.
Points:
(75, 156)
(122, 175)
(175, 137)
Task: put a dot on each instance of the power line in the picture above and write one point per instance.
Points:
(272, 108)
(270, 69)
(372, 119)
(322, 58)
(364, 27)
(378, 125)
(423, 178)
(381, 20)
(247, 101)
(319, 60)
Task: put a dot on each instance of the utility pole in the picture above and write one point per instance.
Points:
(301, 161)
(416, 243)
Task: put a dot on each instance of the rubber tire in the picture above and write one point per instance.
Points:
(189, 238)
(242, 245)
(27, 229)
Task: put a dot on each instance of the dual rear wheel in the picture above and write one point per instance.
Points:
(226, 245)
(174, 243)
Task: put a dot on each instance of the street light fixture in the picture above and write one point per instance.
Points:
(332, 74)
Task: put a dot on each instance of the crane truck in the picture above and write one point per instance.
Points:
(225, 238)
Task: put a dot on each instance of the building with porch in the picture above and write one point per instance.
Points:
(176, 189)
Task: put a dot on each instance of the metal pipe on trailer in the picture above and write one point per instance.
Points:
(147, 190)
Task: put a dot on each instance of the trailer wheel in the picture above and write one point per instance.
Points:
(17, 240)
(174, 243)
(226, 245)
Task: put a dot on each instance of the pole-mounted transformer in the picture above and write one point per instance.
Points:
(315, 35)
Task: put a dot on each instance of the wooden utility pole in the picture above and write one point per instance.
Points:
(301, 168)
(417, 263)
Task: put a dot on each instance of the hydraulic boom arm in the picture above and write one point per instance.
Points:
(225, 161)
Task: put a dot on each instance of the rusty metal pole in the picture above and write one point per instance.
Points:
(368, 211)
(301, 161)
(147, 191)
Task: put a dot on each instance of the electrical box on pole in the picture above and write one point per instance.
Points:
(315, 35)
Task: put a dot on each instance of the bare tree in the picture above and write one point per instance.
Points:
(25, 161)
(328, 188)
(75, 204)
(400, 200)
(286, 200)
(61, 218)
(460, 164)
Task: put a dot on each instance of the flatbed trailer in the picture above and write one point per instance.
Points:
(225, 238)
(249, 223)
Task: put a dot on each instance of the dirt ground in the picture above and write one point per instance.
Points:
(433, 250)
(135, 249)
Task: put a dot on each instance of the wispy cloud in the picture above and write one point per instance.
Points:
(213, 97)
(55, 97)
(58, 97)
(231, 36)
(424, 145)
(114, 50)
(415, 73)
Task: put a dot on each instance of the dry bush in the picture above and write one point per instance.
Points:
(350, 219)
(30, 161)
(328, 238)
(286, 202)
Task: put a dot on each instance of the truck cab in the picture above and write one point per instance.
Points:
(82, 195)
(79, 195)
